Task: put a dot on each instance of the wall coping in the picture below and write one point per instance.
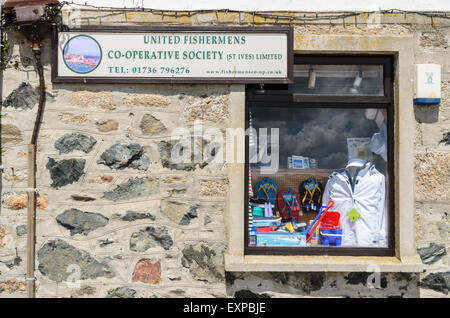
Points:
(263, 263)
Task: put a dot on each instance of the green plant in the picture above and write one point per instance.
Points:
(4, 53)
(5, 45)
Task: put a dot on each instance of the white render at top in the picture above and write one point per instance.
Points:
(280, 5)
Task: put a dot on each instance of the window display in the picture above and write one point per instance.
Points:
(341, 202)
(331, 188)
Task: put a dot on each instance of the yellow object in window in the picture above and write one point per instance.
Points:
(290, 228)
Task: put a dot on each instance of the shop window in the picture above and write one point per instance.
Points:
(319, 169)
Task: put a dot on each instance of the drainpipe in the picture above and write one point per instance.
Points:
(31, 205)
(34, 18)
(36, 46)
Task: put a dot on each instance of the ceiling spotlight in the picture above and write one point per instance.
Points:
(357, 82)
(260, 90)
(312, 78)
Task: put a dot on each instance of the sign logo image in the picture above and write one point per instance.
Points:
(82, 54)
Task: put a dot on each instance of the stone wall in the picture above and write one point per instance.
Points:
(113, 208)
(432, 169)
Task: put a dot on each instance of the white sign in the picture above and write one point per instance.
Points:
(190, 55)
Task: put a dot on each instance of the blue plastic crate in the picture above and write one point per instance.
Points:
(330, 237)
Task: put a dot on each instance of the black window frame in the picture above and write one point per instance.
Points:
(283, 95)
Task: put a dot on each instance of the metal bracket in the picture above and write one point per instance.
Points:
(36, 190)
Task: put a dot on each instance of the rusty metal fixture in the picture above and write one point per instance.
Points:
(21, 3)
(33, 18)
(35, 33)
(26, 11)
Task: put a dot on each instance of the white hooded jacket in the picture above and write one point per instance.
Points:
(366, 193)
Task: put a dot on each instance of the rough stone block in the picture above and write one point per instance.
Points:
(434, 39)
(306, 282)
(435, 222)
(174, 153)
(147, 272)
(80, 222)
(107, 125)
(204, 261)
(434, 134)
(432, 253)
(57, 255)
(11, 134)
(445, 138)
(131, 216)
(66, 171)
(19, 201)
(75, 141)
(133, 188)
(213, 108)
(21, 230)
(102, 179)
(437, 281)
(2, 236)
(214, 188)
(150, 237)
(151, 126)
(125, 156)
(146, 100)
(23, 97)
(87, 291)
(432, 176)
(121, 292)
(89, 99)
(178, 212)
(74, 119)
(82, 198)
(12, 286)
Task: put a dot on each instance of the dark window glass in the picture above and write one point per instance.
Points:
(339, 79)
(322, 134)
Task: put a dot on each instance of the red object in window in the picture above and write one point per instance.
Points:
(265, 229)
(319, 219)
(289, 209)
(331, 220)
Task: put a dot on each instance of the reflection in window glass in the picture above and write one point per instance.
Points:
(319, 133)
(327, 157)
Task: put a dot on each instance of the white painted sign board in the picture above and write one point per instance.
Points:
(235, 55)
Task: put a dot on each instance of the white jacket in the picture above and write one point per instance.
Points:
(367, 197)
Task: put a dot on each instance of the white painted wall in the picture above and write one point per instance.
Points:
(278, 5)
